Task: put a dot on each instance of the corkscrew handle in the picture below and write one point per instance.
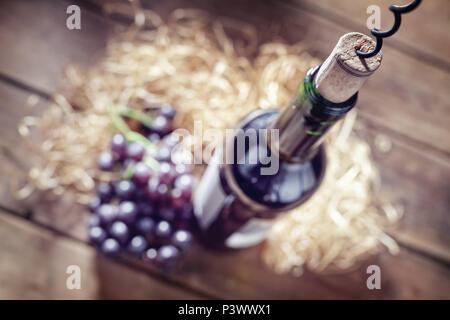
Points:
(397, 11)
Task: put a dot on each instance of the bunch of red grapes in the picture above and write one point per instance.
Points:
(147, 211)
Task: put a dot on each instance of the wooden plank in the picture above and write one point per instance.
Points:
(419, 182)
(34, 263)
(14, 156)
(242, 275)
(46, 46)
(423, 33)
(229, 275)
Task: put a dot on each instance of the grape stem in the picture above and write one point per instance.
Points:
(138, 115)
(116, 114)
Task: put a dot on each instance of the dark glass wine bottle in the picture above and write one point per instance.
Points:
(277, 163)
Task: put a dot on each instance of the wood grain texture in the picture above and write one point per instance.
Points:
(34, 261)
(13, 106)
(423, 33)
(418, 182)
(242, 275)
(227, 275)
(46, 46)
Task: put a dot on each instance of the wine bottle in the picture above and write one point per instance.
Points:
(277, 157)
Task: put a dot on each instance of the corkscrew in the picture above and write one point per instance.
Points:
(397, 11)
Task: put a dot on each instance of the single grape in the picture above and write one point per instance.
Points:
(153, 137)
(145, 225)
(163, 229)
(150, 255)
(119, 231)
(185, 183)
(167, 213)
(167, 256)
(135, 151)
(94, 204)
(107, 213)
(137, 245)
(94, 220)
(127, 212)
(141, 173)
(97, 234)
(163, 153)
(165, 172)
(124, 189)
(152, 187)
(162, 193)
(177, 199)
(118, 145)
(105, 191)
(160, 125)
(110, 247)
(182, 239)
(105, 161)
(167, 111)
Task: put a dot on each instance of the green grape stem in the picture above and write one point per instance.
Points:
(116, 114)
(138, 115)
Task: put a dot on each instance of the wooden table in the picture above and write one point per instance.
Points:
(408, 100)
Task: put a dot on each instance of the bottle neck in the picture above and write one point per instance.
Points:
(302, 124)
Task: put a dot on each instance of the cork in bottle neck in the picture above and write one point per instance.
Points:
(343, 73)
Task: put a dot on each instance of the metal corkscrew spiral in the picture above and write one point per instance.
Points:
(397, 11)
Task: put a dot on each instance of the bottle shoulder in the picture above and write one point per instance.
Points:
(270, 181)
